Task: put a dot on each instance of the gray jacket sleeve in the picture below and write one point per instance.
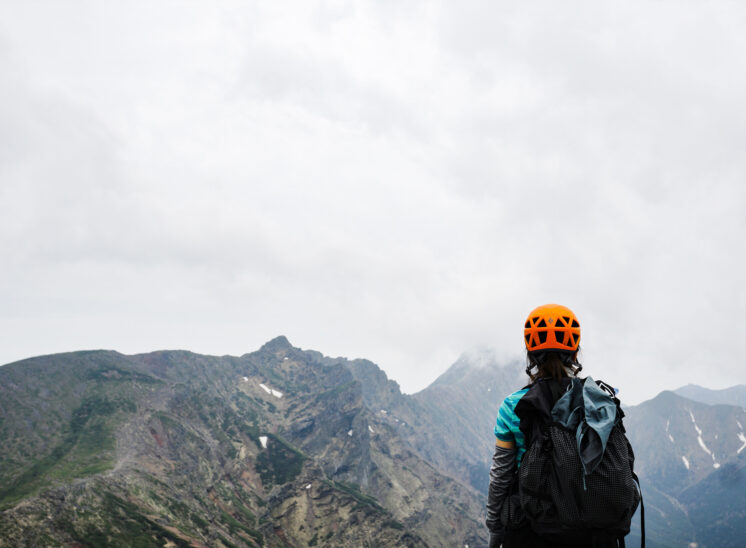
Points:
(501, 476)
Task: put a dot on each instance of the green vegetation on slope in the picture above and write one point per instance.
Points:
(279, 463)
(85, 449)
(353, 489)
(124, 527)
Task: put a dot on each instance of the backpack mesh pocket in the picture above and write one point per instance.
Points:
(556, 496)
(511, 514)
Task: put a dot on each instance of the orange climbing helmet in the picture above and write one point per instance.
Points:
(552, 327)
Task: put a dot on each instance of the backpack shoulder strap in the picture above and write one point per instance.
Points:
(556, 389)
(534, 409)
(642, 511)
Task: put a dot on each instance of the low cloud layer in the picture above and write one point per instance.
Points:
(395, 181)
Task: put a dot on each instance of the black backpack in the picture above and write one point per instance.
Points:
(553, 494)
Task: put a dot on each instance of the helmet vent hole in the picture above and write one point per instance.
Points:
(528, 339)
(575, 323)
(573, 340)
(542, 336)
(567, 320)
(528, 324)
(542, 323)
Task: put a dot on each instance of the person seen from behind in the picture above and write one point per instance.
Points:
(562, 471)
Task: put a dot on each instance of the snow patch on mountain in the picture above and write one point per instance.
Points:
(703, 446)
(263, 441)
(702, 442)
(742, 439)
(272, 391)
(699, 432)
(686, 462)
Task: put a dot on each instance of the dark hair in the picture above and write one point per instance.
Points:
(551, 364)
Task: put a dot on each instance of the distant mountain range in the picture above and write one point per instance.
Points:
(286, 447)
(735, 395)
(690, 457)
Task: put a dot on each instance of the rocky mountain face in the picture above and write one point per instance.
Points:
(280, 447)
(449, 423)
(462, 404)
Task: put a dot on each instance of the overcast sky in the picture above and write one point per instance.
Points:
(401, 181)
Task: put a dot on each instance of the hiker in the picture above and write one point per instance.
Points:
(561, 474)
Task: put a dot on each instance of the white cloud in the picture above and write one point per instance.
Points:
(393, 181)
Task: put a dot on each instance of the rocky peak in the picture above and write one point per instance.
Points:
(278, 344)
(379, 392)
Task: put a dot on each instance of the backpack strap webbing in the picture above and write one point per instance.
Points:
(642, 512)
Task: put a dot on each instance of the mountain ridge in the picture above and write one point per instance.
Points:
(266, 440)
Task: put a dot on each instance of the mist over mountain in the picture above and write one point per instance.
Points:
(463, 402)
(288, 447)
